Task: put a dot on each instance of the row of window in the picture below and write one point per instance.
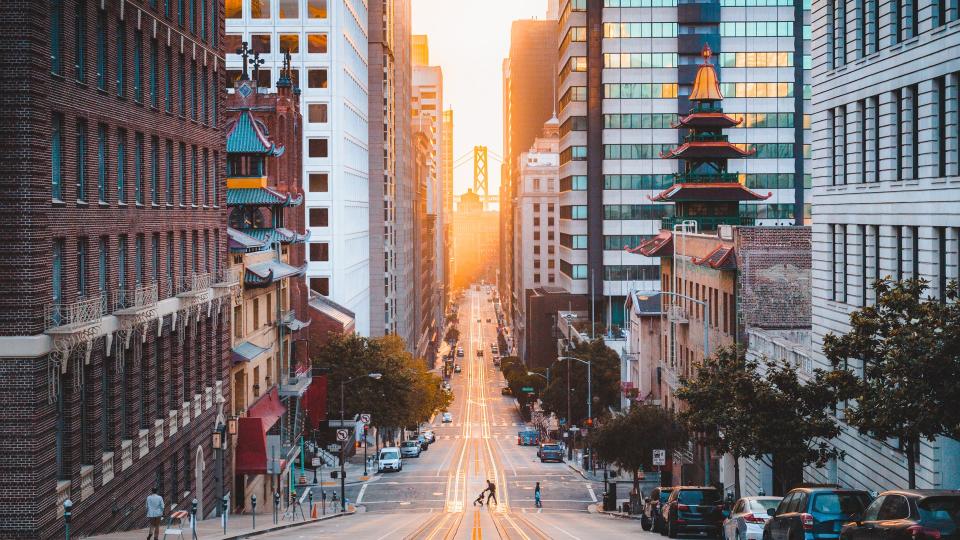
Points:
(905, 161)
(637, 211)
(768, 120)
(157, 263)
(573, 183)
(640, 121)
(695, 295)
(756, 29)
(573, 153)
(573, 123)
(639, 90)
(756, 89)
(551, 277)
(160, 172)
(758, 59)
(767, 210)
(573, 241)
(317, 78)
(640, 30)
(617, 242)
(773, 180)
(152, 78)
(575, 34)
(762, 3)
(577, 64)
(285, 9)
(639, 3)
(655, 182)
(773, 150)
(635, 151)
(286, 43)
(640, 60)
(574, 93)
(639, 272)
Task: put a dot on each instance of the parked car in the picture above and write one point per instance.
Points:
(506, 391)
(389, 459)
(480, 352)
(550, 451)
(747, 517)
(488, 319)
(494, 349)
(410, 449)
(908, 515)
(814, 513)
(424, 442)
(650, 518)
(459, 352)
(496, 361)
(430, 435)
(457, 369)
(692, 509)
(446, 418)
(528, 438)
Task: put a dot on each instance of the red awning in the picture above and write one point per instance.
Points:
(315, 401)
(251, 452)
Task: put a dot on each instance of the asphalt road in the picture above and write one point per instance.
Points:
(432, 498)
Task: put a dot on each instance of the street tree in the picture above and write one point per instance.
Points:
(907, 348)
(605, 378)
(628, 441)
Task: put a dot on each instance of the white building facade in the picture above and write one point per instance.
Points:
(327, 40)
(886, 190)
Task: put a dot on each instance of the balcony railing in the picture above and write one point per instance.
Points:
(286, 317)
(143, 296)
(77, 313)
(227, 277)
(726, 178)
(191, 284)
(677, 314)
(706, 223)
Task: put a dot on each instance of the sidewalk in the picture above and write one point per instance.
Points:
(238, 526)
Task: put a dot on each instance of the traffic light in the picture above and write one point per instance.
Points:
(589, 421)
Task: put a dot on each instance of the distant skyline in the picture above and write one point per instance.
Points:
(470, 41)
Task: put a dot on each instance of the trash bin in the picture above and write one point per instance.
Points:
(610, 497)
(625, 508)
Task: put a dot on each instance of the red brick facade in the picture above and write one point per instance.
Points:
(773, 277)
(167, 224)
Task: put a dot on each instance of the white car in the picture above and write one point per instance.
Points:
(447, 418)
(410, 449)
(429, 435)
(389, 459)
(747, 518)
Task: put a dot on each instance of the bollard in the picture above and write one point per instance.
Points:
(310, 498)
(253, 501)
(323, 502)
(226, 504)
(193, 518)
(276, 505)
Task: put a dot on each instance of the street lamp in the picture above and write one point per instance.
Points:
(67, 514)
(589, 388)
(343, 470)
(547, 376)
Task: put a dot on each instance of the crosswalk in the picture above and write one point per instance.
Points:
(501, 437)
(492, 424)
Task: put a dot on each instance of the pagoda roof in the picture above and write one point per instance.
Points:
(246, 136)
(269, 235)
(267, 272)
(263, 196)
(723, 257)
(707, 120)
(660, 245)
(707, 150)
(241, 242)
(706, 85)
(712, 192)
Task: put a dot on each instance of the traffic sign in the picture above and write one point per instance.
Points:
(343, 434)
(365, 418)
(659, 457)
(315, 462)
(527, 389)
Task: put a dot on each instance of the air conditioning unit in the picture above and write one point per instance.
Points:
(725, 232)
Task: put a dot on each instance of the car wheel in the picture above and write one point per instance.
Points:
(645, 523)
(671, 529)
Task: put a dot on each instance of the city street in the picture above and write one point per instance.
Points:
(432, 497)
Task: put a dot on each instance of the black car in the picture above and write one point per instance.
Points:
(650, 518)
(913, 514)
(814, 513)
(692, 509)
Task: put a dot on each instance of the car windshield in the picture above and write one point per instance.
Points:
(551, 447)
(388, 455)
(410, 444)
(761, 506)
(942, 513)
(843, 504)
(698, 496)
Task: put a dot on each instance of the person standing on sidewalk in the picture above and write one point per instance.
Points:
(154, 514)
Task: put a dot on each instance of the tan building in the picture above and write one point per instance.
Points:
(475, 241)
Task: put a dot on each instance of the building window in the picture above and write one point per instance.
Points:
(102, 50)
(183, 175)
(215, 179)
(56, 37)
(914, 130)
(319, 251)
(154, 74)
(138, 266)
(876, 138)
(154, 170)
(204, 108)
(941, 101)
(318, 148)
(898, 131)
(317, 43)
(81, 160)
(259, 9)
(317, 9)
(181, 86)
(102, 266)
(168, 173)
(942, 263)
(121, 166)
(102, 163)
(138, 66)
(138, 168)
(899, 253)
(320, 285)
(56, 156)
(317, 113)
(194, 176)
(169, 265)
(194, 104)
(915, 252)
(319, 217)
(233, 9)
(204, 172)
(316, 78)
(288, 43)
(864, 137)
(80, 40)
(82, 267)
(319, 182)
(121, 58)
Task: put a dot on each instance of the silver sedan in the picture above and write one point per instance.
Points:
(747, 518)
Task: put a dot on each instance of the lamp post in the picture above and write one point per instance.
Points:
(589, 388)
(67, 514)
(253, 501)
(547, 376)
(343, 471)
(219, 444)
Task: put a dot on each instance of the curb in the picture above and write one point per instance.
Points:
(578, 471)
(258, 532)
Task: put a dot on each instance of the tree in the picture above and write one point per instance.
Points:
(628, 441)
(908, 348)
(452, 335)
(605, 377)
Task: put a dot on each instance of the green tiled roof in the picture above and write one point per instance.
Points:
(246, 138)
(259, 197)
(280, 234)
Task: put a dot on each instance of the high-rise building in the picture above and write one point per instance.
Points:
(618, 98)
(529, 80)
(475, 241)
(536, 223)
(328, 43)
(885, 191)
(115, 319)
(424, 231)
(448, 201)
(392, 187)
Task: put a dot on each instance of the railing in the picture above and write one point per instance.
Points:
(194, 282)
(75, 313)
(706, 223)
(286, 317)
(142, 296)
(227, 277)
(677, 314)
(726, 178)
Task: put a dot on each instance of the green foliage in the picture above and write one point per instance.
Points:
(452, 335)
(406, 394)
(605, 379)
(628, 441)
(517, 379)
(908, 348)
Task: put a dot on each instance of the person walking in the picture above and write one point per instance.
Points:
(491, 492)
(536, 496)
(154, 514)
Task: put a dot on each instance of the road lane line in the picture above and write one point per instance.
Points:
(593, 496)
(363, 489)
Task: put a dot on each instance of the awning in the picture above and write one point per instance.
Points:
(240, 241)
(296, 324)
(315, 401)
(246, 352)
(251, 451)
(268, 272)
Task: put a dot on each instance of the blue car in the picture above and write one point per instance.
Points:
(528, 438)
(814, 513)
(550, 452)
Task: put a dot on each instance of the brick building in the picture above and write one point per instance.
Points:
(113, 321)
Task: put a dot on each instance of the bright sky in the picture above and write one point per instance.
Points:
(469, 40)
